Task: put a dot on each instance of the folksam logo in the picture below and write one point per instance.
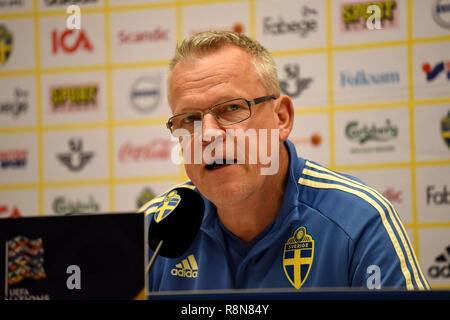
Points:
(362, 78)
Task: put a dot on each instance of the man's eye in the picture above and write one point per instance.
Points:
(190, 119)
(232, 107)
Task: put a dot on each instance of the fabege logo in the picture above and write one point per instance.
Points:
(6, 44)
(433, 72)
(393, 195)
(17, 106)
(70, 40)
(303, 27)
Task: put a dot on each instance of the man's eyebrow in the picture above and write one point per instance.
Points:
(217, 101)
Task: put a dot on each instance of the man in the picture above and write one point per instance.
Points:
(300, 225)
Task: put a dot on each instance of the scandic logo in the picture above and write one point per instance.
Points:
(187, 268)
(128, 37)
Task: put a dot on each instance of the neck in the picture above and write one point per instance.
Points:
(246, 219)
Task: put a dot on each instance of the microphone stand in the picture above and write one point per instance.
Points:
(155, 254)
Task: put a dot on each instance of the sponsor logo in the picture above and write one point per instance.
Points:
(441, 13)
(236, 27)
(364, 133)
(155, 149)
(74, 98)
(129, 37)
(354, 15)
(361, 78)
(13, 158)
(298, 257)
(6, 212)
(315, 140)
(293, 85)
(66, 2)
(393, 195)
(76, 159)
(64, 206)
(441, 268)
(146, 195)
(433, 72)
(303, 27)
(17, 106)
(5, 4)
(169, 203)
(24, 259)
(445, 129)
(146, 93)
(70, 40)
(187, 268)
(437, 197)
(6, 44)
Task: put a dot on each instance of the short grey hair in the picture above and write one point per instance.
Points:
(210, 41)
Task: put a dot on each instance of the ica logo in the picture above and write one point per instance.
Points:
(70, 40)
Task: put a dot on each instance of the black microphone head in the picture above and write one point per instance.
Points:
(176, 221)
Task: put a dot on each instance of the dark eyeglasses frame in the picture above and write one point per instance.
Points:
(250, 103)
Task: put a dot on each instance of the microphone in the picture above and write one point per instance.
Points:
(175, 224)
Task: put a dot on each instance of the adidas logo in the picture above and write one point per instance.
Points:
(187, 268)
(442, 266)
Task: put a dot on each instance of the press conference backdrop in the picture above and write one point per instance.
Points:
(82, 112)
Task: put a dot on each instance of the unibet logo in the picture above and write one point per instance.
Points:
(187, 268)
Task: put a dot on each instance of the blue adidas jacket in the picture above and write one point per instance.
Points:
(331, 231)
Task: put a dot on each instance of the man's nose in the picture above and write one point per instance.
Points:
(211, 128)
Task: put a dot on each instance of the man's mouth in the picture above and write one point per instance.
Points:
(217, 164)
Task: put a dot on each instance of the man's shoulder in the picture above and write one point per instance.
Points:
(152, 205)
(342, 198)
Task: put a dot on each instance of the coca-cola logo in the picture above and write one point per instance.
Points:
(158, 149)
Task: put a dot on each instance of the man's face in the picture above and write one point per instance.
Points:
(206, 81)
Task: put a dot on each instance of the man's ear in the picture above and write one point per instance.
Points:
(285, 113)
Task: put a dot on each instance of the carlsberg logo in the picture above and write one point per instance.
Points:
(364, 133)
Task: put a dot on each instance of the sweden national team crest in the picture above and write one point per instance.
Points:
(298, 257)
(170, 202)
(445, 129)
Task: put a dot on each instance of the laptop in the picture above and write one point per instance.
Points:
(92, 256)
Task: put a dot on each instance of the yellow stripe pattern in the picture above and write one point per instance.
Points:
(351, 186)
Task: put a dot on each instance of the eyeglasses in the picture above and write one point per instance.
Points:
(226, 113)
